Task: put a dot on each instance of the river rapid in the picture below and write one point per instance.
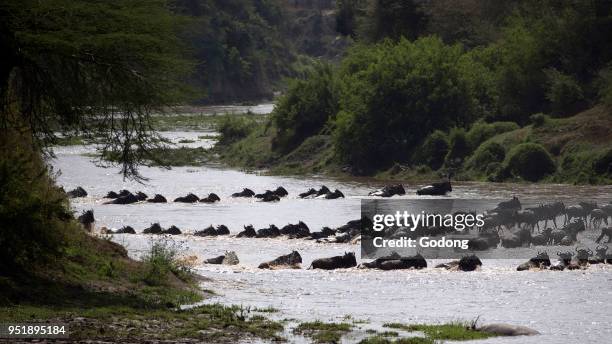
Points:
(566, 307)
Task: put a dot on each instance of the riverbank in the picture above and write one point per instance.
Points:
(572, 150)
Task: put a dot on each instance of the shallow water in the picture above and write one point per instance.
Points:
(567, 307)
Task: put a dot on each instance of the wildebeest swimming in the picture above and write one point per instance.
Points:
(437, 189)
(126, 197)
(190, 198)
(211, 198)
(77, 192)
(244, 193)
(389, 191)
(291, 261)
(467, 263)
(229, 258)
(295, 231)
(272, 196)
(334, 195)
(212, 231)
(248, 232)
(396, 262)
(346, 261)
(158, 199)
(540, 261)
(324, 190)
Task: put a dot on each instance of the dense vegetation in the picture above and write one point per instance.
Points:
(429, 96)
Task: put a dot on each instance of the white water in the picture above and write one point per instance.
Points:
(566, 307)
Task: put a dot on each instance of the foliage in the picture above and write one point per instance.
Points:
(233, 128)
(99, 67)
(603, 163)
(538, 119)
(434, 150)
(323, 332)
(481, 131)
(529, 161)
(35, 218)
(563, 92)
(486, 154)
(393, 19)
(163, 259)
(458, 147)
(306, 108)
(394, 95)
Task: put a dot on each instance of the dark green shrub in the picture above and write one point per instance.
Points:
(305, 109)
(487, 153)
(603, 163)
(530, 161)
(563, 92)
(433, 151)
(163, 259)
(458, 147)
(481, 131)
(538, 119)
(233, 128)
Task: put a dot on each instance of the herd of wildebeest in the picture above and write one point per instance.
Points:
(509, 225)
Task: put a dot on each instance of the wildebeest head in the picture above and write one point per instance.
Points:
(583, 253)
(601, 250)
(565, 256)
(349, 258)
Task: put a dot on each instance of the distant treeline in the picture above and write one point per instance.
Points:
(424, 68)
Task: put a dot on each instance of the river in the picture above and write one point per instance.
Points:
(566, 307)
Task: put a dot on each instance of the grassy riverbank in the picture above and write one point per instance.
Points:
(579, 149)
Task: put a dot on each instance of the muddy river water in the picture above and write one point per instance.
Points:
(566, 307)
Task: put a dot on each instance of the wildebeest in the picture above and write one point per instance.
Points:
(575, 211)
(606, 231)
(155, 228)
(158, 199)
(601, 255)
(190, 198)
(436, 189)
(212, 231)
(597, 217)
(469, 263)
(312, 192)
(248, 232)
(291, 260)
(583, 255)
(141, 196)
(173, 230)
(111, 194)
(389, 191)
(270, 232)
(87, 220)
(346, 261)
(125, 230)
(513, 204)
(211, 198)
(334, 195)
(128, 198)
(229, 258)
(281, 192)
(244, 193)
(396, 262)
(76, 193)
(271, 196)
(323, 233)
(538, 262)
(299, 230)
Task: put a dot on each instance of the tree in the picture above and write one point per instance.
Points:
(393, 19)
(101, 67)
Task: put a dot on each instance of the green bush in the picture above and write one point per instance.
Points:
(529, 161)
(487, 153)
(458, 147)
(233, 128)
(563, 92)
(538, 119)
(481, 131)
(394, 94)
(305, 109)
(163, 259)
(35, 219)
(603, 163)
(433, 151)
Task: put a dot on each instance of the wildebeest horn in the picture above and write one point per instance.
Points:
(601, 247)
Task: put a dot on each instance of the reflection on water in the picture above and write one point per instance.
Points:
(567, 307)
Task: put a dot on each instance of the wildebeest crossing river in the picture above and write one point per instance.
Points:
(566, 307)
